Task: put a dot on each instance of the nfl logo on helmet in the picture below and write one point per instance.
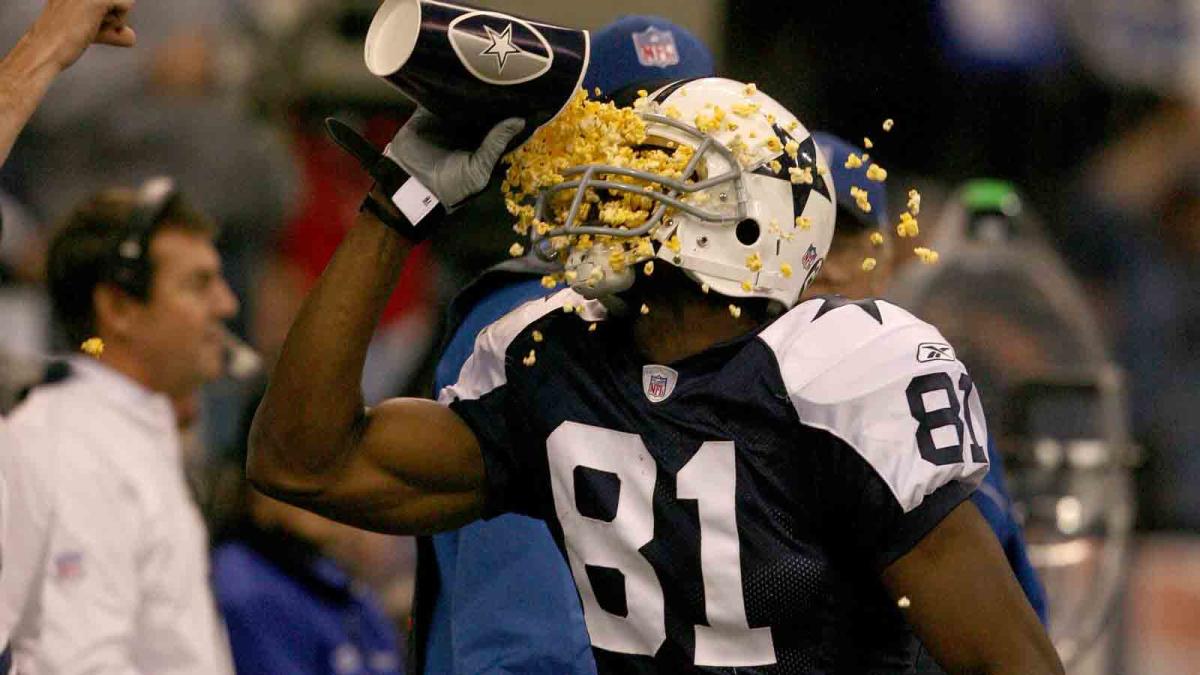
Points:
(656, 47)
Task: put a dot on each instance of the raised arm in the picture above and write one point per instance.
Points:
(965, 603)
(57, 39)
(407, 465)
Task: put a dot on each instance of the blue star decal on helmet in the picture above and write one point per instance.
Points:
(806, 157)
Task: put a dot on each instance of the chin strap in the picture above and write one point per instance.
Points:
(414, 211)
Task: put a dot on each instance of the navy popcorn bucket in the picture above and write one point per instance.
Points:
(475, 67)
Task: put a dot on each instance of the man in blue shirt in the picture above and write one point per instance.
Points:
(504, 599)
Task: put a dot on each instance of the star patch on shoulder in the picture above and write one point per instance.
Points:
(832, 302)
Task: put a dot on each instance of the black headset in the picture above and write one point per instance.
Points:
(130, 268)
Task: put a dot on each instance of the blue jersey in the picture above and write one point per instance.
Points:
(290, 610)
(806, 457)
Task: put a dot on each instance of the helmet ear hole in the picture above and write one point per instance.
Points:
(748, 232)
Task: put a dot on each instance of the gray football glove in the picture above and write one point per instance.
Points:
(422, 148)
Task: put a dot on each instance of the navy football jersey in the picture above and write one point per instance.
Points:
(731, 510)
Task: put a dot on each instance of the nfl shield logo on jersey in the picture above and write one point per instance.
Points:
(658, 382)
(810, 257)
(656, 47)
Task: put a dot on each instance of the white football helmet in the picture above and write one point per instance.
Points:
(753, 212)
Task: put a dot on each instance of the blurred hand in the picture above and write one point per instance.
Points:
(68, 27)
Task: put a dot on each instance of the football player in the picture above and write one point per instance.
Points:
(730, 473)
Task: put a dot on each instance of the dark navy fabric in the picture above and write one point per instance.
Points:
(505, 600)
(815, 522)
(291, 611)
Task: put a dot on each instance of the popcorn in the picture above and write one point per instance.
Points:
(754, 262)
(537, 336)
(877, 173)
(792, 148)
(530, 359)
(674, 244)
(93, 347)
(549, 281)
(735, 311)
(598, 93)
(592, 327)
(747, 286)
(704, 288)
(927, 256)
(744, 109)
(888, 124)
(645, 309)
(568, 308)
(751, 89)
(867, 143)
(775, 166)
(801, 176)
(904, 602)
(877, 238)
(774, 145)
(869, 264)
(861, 198)
(803, 222)
(854, 161)
(516, 250)
(914, 202)
(786, 270)
(908, 227)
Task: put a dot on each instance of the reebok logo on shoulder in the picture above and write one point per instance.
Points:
(934, 351)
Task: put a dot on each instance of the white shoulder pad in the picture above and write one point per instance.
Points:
(887, 384)
(484, 369)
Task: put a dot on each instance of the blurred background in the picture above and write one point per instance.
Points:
(1066, 289)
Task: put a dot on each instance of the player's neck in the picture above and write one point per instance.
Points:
(675, 331)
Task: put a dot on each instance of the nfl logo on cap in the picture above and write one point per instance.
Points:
(656, 47)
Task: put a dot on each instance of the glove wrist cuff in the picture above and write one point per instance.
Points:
(414, 211)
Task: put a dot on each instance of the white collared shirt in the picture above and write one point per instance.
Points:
(121, 582)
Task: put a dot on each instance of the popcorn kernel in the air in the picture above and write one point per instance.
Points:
(908, 227)
(642, 93)
(592, 327)
(568, 308)
(914, 202)
(674, 244)
(869, 264)
(530, 359)
(537, 336)
(786, 270)
(801, 176)
(877, 173)
(92, 347)
(735, 311)
(754, 262)
(854, 161)
(775, 166)
(747, 286)
(645, 309)
(704, 288)
(803, 222)
(867, 143)
(877, 238)
(888, 124)
(774, 145)
(751, 89)
(549, 282)
(792, 148)
(648, 268)
(598, 93)
(927, 255)
(516, 250)
(904, 602)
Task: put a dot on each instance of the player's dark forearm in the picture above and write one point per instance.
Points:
(308, 420)
(25, 74)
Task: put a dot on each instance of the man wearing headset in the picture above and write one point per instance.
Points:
(116, 577)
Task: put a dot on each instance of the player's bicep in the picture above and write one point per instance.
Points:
(415, 466)
(963, 601)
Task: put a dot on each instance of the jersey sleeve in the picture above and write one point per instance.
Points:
(483, 396)
(903, 428)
